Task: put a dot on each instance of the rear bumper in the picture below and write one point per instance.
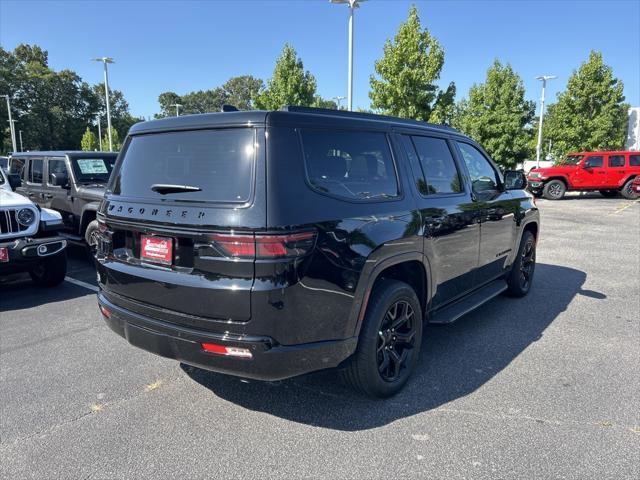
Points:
(270, 361)
(25, 253)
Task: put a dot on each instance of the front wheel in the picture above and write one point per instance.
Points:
(389, 343)
(521, 275)
(628, 191)
(554, 190)
(50, 271)
(91, 236)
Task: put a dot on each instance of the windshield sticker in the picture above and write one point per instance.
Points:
(92, 165)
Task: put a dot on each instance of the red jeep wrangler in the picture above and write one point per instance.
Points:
(607, 172)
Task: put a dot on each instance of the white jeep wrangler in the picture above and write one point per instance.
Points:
(29, 240)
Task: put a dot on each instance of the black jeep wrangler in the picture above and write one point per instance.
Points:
(72, 183)
(271, 244)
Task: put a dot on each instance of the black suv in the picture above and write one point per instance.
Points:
(271, 244)
(72, 183)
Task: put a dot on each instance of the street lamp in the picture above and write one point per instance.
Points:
(338, 99)
(544, 79)
(11, 125)
(353, 4)
(104, 61)
(99, 131)
(177, 105)
(21, 149)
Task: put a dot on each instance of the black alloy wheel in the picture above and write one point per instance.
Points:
(396, 340)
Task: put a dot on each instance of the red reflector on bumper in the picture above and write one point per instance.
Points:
(105, 311)
(228, 351)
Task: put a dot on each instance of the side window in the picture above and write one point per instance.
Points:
(483, 175)
(616, 160)
(438, 167)
(56, 166)
(35, 171)
(16, 166)
(593, 162)
(634, 160)
(354, 165)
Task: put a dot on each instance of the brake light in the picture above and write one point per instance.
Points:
(227, 351)
(288, 245)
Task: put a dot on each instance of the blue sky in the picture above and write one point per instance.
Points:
(191, 45)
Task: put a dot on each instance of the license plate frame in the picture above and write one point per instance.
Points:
(156, 249)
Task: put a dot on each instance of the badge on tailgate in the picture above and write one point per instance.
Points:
(156, 249)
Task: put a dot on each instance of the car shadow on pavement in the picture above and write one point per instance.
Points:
(456, 360)
(23, 294)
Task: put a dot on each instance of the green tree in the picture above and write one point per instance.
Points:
(290, 84)
(590, 114)
(320, 102)
(121, 119)
(240, 91)
(407, 73)
(115, 140)
(497, 115)
(89, 141)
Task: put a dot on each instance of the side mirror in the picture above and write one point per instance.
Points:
(14, 180)
(514, 180)
(59, 180)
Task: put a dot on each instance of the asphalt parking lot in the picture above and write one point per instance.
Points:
(543, 387)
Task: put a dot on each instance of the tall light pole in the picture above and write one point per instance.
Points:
(177, 105)
(11, 126)
(338, 99)
(21, 149)
(353, 4)
(544, 79)
(105, 61)
(99, 131)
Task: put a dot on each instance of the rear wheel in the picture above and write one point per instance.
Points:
(608, 193)
(521, 275)
(389, 342)
(628, 191)
(50, 271)
(554, 190)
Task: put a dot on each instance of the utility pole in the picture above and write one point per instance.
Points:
(99, 133)
(105, 61)
(544, 79)
(353, 4)
(11, 125)
(21, 149)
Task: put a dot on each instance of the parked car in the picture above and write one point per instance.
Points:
(29, 240)
(609, 173)
(72, 183)
(271, 244)
(529, 165)
(4, 163)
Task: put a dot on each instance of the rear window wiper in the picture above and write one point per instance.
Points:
(163, 188)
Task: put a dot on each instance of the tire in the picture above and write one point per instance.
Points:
(372, 368)
(627, 191)
(608, 193)
(90, 236)
(554, 190)
(50, 271)
(520, 277)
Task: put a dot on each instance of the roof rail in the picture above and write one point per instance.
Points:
(363, 115)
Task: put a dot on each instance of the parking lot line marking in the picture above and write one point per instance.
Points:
(626, 206)
(80, 283)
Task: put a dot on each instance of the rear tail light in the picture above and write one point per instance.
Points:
(105, 311)
(226, 350)
(288, 245)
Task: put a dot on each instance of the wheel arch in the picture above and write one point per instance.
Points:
(89, 212)
(412, 268)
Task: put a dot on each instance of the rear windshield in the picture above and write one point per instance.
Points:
(192, 166)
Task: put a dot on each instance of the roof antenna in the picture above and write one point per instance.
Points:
(229, 108)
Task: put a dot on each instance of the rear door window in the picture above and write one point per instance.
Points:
(616, 160)
(352, 165)
(438, 167)
(35, 171)
(198, 166)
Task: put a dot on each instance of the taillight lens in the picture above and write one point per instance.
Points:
(287, 245)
